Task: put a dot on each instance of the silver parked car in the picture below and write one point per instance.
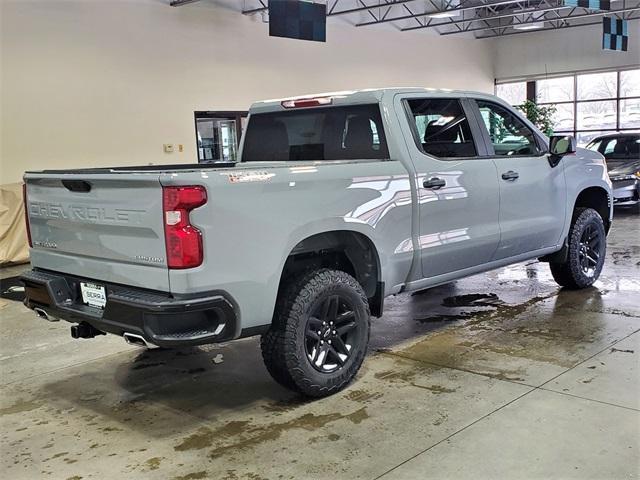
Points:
(622, 154)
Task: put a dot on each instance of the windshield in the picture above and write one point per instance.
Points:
(329, 133)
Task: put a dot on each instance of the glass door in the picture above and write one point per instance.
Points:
(218, 135)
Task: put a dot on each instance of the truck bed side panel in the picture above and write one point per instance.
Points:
(256, 214)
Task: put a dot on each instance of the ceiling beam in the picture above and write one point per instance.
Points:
(572, 17)
(446, 10)
(575, 25)
(330, 13)
(490, 17)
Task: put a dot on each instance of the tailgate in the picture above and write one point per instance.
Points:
(105, 226)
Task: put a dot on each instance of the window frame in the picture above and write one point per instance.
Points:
(476, 133)
(619, 98)
(540, 143)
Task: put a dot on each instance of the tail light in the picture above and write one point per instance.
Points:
(26, 213)
(183, 240)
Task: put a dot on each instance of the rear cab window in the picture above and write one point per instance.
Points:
(353, 132)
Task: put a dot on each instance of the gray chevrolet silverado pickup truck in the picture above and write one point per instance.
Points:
(338, 200)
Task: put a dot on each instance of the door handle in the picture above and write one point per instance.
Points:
(510, 175)
(434, 183)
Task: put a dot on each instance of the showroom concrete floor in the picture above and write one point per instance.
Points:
(500, 375)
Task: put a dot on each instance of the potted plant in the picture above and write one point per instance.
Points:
(540, 116)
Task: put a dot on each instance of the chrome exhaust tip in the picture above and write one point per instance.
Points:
(41, 313)
(137, 340)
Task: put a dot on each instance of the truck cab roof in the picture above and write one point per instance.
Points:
(367, 95)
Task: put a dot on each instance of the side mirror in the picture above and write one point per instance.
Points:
(559, 146)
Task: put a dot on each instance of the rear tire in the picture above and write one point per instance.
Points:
(587, 250)
(320, 331)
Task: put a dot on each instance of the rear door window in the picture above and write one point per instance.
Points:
(327, 133)
(441, 127)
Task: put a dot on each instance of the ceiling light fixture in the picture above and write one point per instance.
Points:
(528, 26)
(443, 14)
(445, 9)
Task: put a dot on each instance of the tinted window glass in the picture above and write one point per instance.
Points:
(621, 148)
(327, 133)
(609, 146)
(442, 127)
(508, 134)
(594, 145)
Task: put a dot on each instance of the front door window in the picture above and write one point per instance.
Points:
(508, 134)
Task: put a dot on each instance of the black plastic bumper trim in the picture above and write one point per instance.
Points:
(160, 318)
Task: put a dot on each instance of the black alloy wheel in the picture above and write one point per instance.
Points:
(590, 250)
(331, 334)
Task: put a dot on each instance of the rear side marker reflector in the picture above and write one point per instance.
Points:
(307, 102)
(183, 240)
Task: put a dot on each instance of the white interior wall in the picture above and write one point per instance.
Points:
(559, 51)
(103, 82)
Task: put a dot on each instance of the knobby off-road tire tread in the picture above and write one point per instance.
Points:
(271, 345)
(569, 274)
(279, 344)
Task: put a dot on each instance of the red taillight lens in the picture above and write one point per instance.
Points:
(183, 240)
(307, 102)
(26, 213)
(185, 198)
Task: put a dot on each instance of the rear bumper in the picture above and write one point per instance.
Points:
(161, 319)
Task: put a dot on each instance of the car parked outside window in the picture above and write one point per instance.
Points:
(622, 154)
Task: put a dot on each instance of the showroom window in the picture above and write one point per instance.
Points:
(590, 104)
(514, 93)
(587, 105)
(218, 135)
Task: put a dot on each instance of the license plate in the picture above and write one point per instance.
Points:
(93, 295)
